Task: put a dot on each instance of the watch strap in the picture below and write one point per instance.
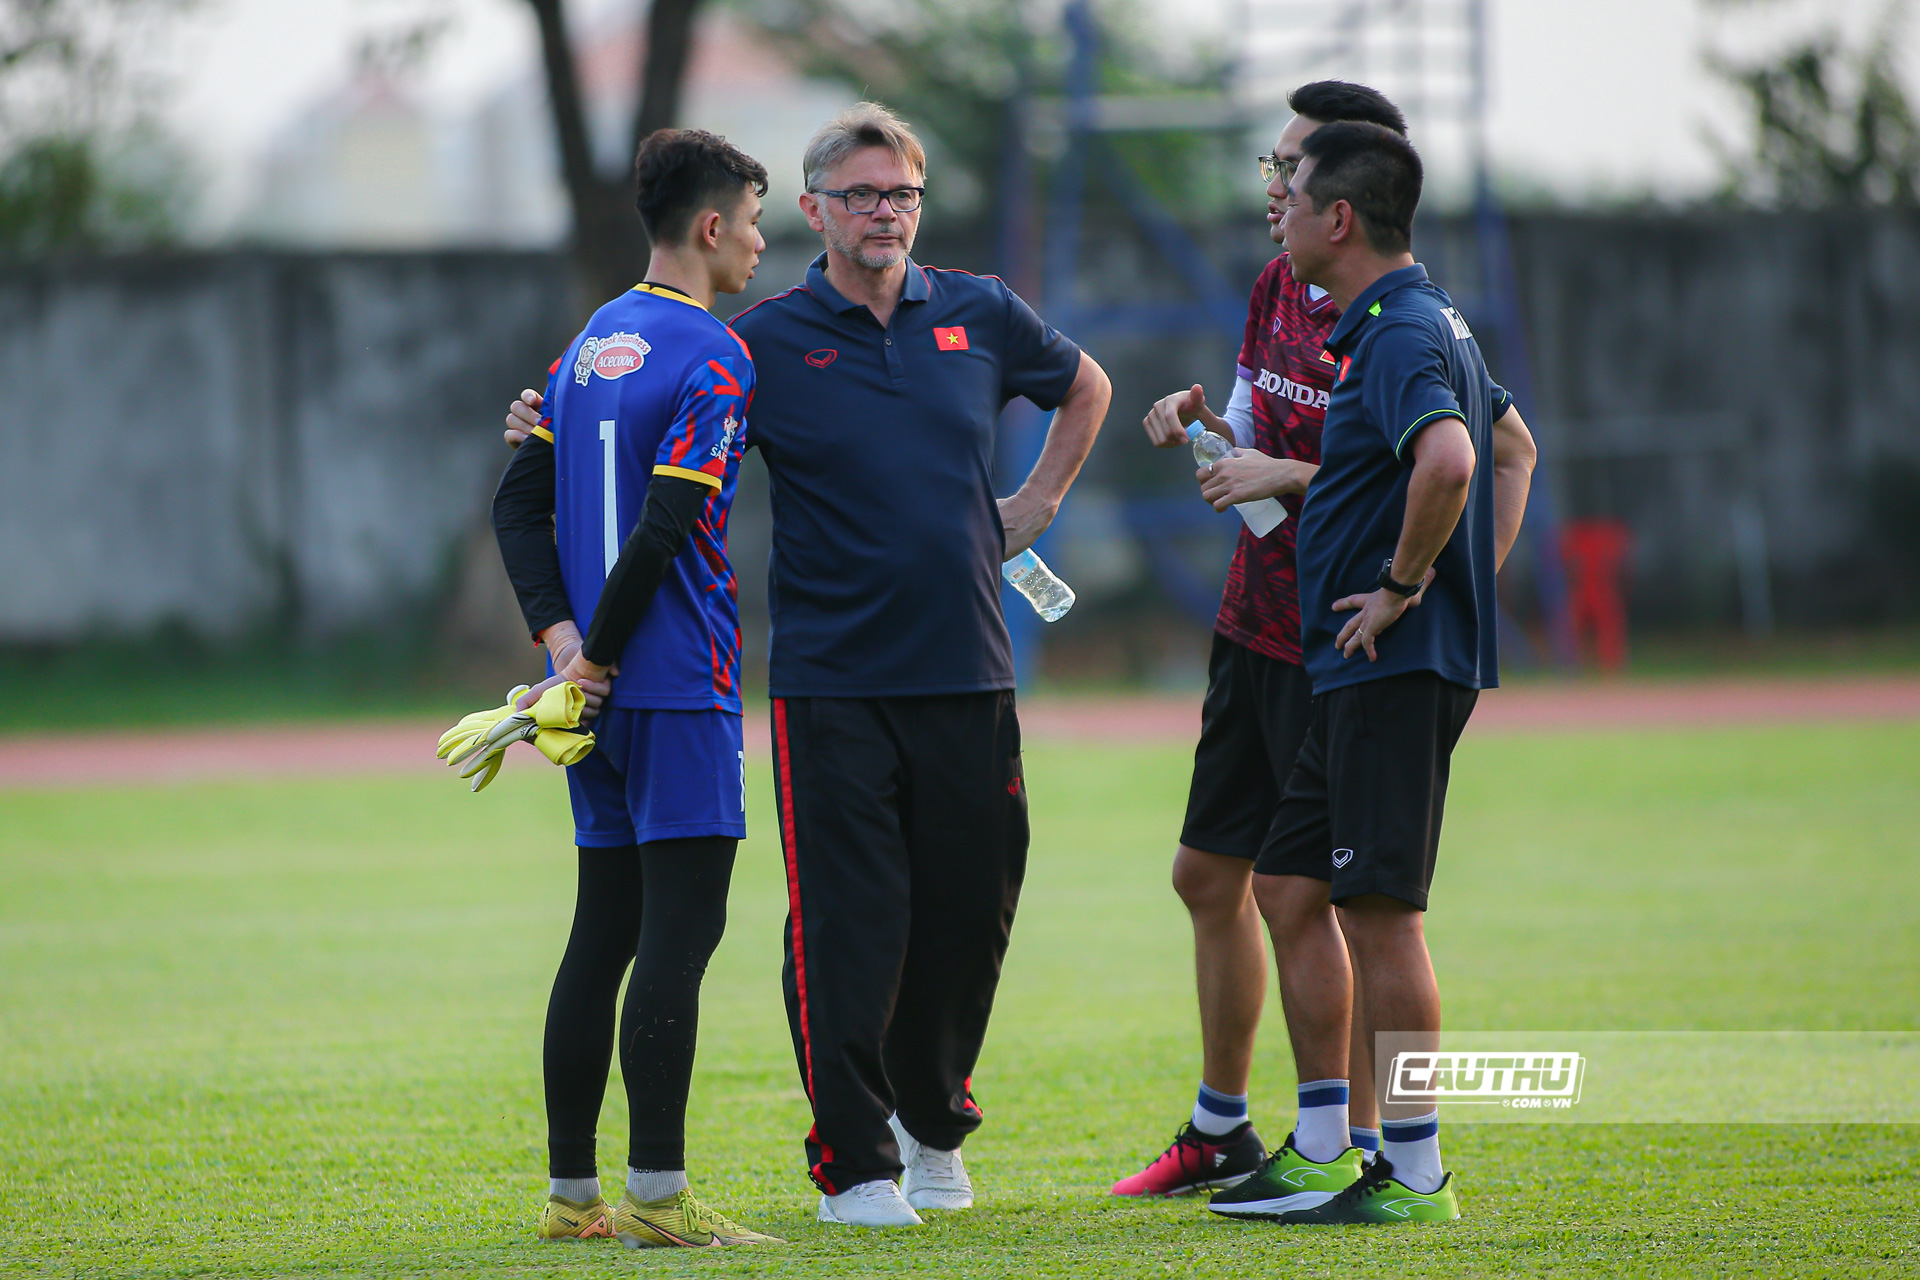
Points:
(1388, 582)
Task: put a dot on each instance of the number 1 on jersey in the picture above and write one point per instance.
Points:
(610, 497)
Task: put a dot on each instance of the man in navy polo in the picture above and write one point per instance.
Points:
(896, 750)
(1424, 470)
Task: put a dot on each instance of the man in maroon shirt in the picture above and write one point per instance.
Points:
(1253, 721)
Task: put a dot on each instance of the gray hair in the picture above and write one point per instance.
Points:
(864, 124)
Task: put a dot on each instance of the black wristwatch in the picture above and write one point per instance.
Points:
(1398, 588)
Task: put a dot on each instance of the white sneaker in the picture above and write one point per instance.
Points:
(934, 1179)
(871, 1204)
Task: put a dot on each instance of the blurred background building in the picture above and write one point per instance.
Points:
(272, 272)
(377, 163)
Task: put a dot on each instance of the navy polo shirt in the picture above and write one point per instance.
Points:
(887, 543)
(1405, 359)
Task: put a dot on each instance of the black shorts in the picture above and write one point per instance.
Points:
(1251, 725)
(1362, 809)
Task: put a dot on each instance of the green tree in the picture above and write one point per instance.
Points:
(82, 163)
(963, 71)
(1832, 126)
(954, 68)
(609, 245)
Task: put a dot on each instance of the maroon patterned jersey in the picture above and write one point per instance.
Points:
(1284, 356)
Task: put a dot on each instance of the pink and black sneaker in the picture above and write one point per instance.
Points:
(1198, 1162)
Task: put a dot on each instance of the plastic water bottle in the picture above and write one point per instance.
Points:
(1263, 515)
(1050, 597)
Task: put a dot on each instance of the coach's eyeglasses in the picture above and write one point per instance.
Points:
(867, 200)
(1272, 165)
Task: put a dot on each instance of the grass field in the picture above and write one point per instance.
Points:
(283, 1029)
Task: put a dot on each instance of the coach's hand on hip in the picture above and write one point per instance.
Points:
(1076, 421)
(1443, 463)
(1025, 518)
(1379, 609)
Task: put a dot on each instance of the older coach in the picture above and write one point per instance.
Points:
(896, 751)
(902, 806)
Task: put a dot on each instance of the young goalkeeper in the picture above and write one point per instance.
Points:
(635, 466)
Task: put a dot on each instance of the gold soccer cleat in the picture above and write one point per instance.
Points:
(563, 1219)
(678, 1221)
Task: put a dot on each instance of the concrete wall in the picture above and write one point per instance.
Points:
(232, 441)
(1691, 367)
(224, 442)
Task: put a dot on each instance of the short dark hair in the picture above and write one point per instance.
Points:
(1373, 169)
(682, 171)
(1331, 101)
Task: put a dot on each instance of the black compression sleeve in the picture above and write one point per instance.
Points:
(523, 526)
(672, 505)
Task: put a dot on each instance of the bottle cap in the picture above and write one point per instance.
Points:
(1195, 430)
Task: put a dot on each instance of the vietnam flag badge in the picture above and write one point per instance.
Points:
(954, 339)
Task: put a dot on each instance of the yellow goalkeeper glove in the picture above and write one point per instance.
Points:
(480, 741)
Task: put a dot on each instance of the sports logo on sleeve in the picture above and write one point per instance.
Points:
(614, 356)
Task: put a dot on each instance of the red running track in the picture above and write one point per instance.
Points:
(60, 760)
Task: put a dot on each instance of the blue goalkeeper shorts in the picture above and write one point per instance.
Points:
(660, 775)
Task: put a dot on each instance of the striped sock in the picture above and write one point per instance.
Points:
(1217, 1114)
(1413, 1148)
(1321, 1133)
(1368, 1140)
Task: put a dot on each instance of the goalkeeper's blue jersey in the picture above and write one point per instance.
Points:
(655, 385)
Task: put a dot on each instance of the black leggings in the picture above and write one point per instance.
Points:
(661, 907)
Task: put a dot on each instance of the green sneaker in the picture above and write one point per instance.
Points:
(1379, 1198)
(1288, 1181)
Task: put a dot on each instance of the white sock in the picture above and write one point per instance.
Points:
(578, 1190)
(1321, 1133)
(656, 1184)
(1413, 1148)
(1368, 1140)
(1217, 1114)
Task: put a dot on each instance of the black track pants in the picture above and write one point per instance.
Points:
(904, 823)
(660, 907)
